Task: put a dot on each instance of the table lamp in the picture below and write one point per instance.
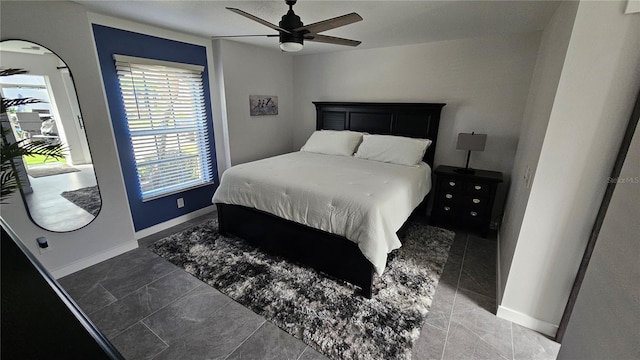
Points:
(470, 142)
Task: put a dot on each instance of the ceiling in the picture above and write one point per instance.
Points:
(386, 23)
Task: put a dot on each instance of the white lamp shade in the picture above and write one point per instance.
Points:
(290, 46)
(471, 142)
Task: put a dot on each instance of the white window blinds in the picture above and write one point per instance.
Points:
(165, 110)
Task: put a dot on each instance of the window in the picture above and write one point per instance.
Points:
(167, 122)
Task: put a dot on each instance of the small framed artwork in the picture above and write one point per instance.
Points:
(263, 105)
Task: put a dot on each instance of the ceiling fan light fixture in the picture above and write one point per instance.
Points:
(290, 46)
(293, 32)
(291, 41)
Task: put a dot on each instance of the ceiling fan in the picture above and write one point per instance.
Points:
(293, 32)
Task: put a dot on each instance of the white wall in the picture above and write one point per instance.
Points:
(63, 28)
(76, 115)
(595, 95)
(250, 70)
(553, 49)
(610, 286)
(484, 82)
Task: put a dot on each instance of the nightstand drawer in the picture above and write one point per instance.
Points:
(475, 188)
(448, 203)
(452, 185)
(449, 209)
(450, 197)
(476, 203)
(475, 213)
(471, 214)
(473, 221)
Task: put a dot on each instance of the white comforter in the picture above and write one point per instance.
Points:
(362, 200)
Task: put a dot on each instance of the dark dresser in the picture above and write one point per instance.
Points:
(464, 200)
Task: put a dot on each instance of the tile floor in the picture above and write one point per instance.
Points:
(151, 309)
(53, 212)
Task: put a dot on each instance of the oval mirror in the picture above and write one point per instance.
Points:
(60, 194)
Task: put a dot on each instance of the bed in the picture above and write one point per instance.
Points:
(320, 246)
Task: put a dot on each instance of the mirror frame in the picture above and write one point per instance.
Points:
(75, 93)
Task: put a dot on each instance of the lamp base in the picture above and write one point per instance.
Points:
(464, 171)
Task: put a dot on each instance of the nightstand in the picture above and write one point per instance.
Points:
(464, 200)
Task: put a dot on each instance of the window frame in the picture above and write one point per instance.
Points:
(198, 127)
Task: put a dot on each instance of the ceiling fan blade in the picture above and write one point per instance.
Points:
(240, 36)
(257, 19)
(331, 23)
(332, 40)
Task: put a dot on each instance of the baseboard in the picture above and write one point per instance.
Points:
(173, 222)
(527, 321)
(94, 259)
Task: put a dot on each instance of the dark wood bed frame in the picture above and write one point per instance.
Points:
(331, 254)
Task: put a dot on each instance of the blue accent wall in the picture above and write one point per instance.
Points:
(111, 41)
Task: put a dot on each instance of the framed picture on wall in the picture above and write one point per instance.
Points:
(263, 105)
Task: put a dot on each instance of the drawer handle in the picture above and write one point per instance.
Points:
(476, 201)
(478, 187)
(452, 183)
(446, 208)
(473, 213)
(448, 196)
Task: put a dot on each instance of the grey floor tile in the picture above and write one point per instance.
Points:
(471, 301)
(440, 310)
(311, 354)
(269, 343)
(440, 322)
(451, 272)
(478, 281)
(121, 283)
(213, 337)
(494, 331)
(129, 259)
(138, 343)
(187, 313)
(151, 297)
(459, 243)
(479, 268)
(463, 343)
(78, 283)
(441, 307)
(484, 248)
(531, 345)
(94, 298)
(116, 269)
(430, 344)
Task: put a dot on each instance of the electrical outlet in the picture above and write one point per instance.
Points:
(180, 203)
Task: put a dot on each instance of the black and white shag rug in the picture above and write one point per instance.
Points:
(324, 313)
(37, 171)
(87, 198)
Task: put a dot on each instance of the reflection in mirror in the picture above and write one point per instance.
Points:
(60, 194)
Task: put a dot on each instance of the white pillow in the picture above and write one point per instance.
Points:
(333, 142)
(393, 149)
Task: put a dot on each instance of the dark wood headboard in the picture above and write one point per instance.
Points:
(417, 120)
